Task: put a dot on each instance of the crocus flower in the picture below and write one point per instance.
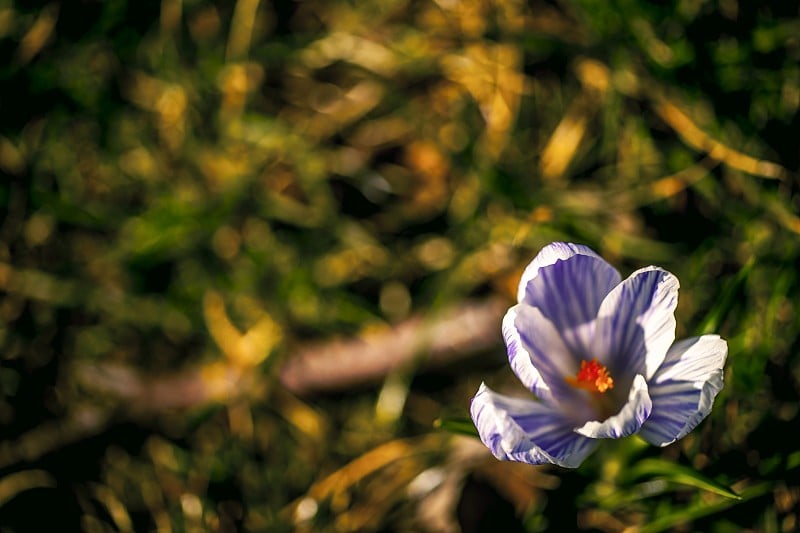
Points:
(600, 355)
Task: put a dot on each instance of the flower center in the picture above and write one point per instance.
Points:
(592, 377)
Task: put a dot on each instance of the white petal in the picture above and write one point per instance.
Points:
(515, 429)
(568, 282)
(684, 388)
(548, 255)
(537, 353)
(638, 318)
(630, 418)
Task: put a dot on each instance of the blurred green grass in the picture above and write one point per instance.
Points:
(195, 194)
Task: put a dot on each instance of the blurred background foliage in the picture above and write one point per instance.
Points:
(252, 251)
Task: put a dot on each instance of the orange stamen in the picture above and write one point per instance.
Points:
(592, 377)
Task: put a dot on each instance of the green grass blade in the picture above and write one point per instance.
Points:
(729, 297)
(459, 426)
(682, 475)
(700, 509)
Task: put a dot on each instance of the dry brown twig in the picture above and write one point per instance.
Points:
(434, 341)
(424, 341)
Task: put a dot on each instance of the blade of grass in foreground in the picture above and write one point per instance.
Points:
(726, 302)
(700, 509)
(459, 426)
(683, 475)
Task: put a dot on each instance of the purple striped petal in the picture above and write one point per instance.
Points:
(568, 283)
(684, 387)
(556, 251)
(537, 354)
(638, 319)
(531, 432)
(630, 418)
